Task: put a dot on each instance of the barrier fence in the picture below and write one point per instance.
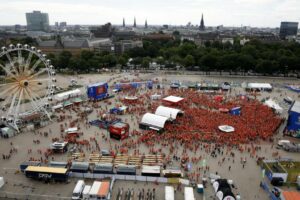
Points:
(130, 178)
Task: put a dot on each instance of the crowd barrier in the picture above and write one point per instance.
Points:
(129, 178)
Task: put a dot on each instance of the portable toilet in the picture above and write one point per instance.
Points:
(235, 111)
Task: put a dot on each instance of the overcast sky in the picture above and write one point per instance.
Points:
(260, 13)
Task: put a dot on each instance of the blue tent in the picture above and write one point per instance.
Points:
(293, 123)
(235, 111)
(97, 91)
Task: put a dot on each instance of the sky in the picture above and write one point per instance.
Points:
(256, 13)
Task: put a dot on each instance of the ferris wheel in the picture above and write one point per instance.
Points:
(27, 83)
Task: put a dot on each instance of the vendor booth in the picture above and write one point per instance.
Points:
(67, 95)
(97, 91)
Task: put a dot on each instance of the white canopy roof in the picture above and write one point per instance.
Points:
(260, 85)
(68, 94)
(296, 107)
(154, 120)
(173, 99)
(272, 104)
(167, 112)
(226, 128)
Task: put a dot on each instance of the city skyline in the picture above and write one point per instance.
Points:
(256, 13)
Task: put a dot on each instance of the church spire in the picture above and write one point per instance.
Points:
(202, 27)
(146, 24)
(134, 23)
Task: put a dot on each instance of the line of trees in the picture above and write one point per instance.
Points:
(255, 56)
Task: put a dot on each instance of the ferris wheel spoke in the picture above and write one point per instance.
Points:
(9, 59)
(32, 102)
(20, 61)
(39, 80)
(28, 61)
(8, 90)
(8, 72)
(19, 102)
(36, 97)
(8, 98)
(12, 104)
(35, 66)
(38, 73)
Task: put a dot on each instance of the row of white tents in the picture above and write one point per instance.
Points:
(162, 115)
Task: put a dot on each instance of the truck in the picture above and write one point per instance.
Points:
(169, 193)
(47, 173)
(119, 130)
(77, 192)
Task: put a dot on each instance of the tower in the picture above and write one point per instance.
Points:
(202, 27)
(146, 24)
(123, 22)
(134, 23)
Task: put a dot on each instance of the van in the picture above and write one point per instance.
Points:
(85, 193)
(77, 192)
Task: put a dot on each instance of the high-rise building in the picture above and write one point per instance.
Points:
(134, 23)
(202, 27)
(288, 29)
(62, 24)
(146, 24)
(124, 22)
(37, 21)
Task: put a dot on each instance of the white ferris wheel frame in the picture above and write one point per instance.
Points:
(28, 74)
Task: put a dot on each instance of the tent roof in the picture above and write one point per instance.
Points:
(260, 85)
(296, 107)
(167, 112)
(154, 120)
(291, 195)
(96, 84)
(272, 104)
(64, 95)
(173, 99)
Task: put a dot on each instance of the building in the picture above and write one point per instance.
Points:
(134, 23)
(63, 24)
(124, 23)
(37, 21)
(75, 46)
(125, 45)
(288, 29)
(202, 27)
(103, 31)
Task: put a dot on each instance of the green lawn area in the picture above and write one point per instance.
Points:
(293, 169)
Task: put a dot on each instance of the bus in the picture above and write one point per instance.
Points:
(47, 173)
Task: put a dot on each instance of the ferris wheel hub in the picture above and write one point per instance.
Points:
(24, 83)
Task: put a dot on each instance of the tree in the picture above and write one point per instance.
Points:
(146, 61)
(189, 61)
(64, 59)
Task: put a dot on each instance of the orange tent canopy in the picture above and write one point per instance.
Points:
(291, 195)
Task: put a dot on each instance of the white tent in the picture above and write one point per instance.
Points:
(272, 104)
(1, 182)
(153, 120)
(260, 86)
(67, 95)
(226, 128)
(173, 99)
(167, 112)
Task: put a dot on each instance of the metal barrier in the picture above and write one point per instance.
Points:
(13, 195)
